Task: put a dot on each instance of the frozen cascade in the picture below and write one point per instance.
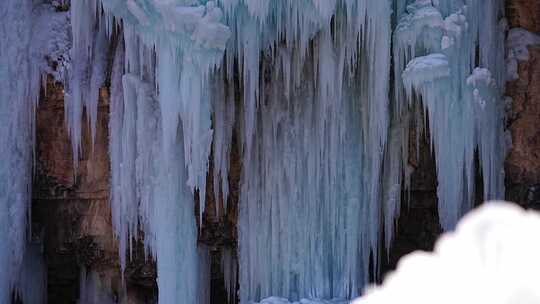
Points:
(150, 191)
(189, 42)
(177, 78)
(316, 121)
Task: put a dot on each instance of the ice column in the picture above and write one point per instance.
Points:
(161, 135)
(87, 74)
(18, 97)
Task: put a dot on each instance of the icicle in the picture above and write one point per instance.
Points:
(93, 290)
(172, 217)
(229, 268)
(32, 286)
(224, 117)
(83, 22)
(430, 76)
(394, 177)
(97, 77)
(489, 32)
(122, 215)
(488, 105)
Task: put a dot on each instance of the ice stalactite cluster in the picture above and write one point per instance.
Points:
(161, 134)
(313, 181)
(277, 131)
(87, 70)
(453, 67)
(318, 138)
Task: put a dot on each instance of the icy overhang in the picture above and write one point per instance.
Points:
(187, 22)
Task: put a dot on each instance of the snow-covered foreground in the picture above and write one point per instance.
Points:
(492, 257)
(277, 300)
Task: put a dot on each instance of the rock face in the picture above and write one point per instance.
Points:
(71, 211)
(71, 205)
(524, 13)
(418, 226)
(523, 162)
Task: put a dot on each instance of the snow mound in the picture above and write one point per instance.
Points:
(424, 69)
(277, 300)
(492, 257)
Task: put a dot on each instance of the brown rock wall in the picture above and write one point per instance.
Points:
(71, 204)
(523, 161)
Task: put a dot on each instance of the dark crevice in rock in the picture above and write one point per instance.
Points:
(418, 224)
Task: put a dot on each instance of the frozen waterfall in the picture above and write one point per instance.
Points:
(327, 90)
